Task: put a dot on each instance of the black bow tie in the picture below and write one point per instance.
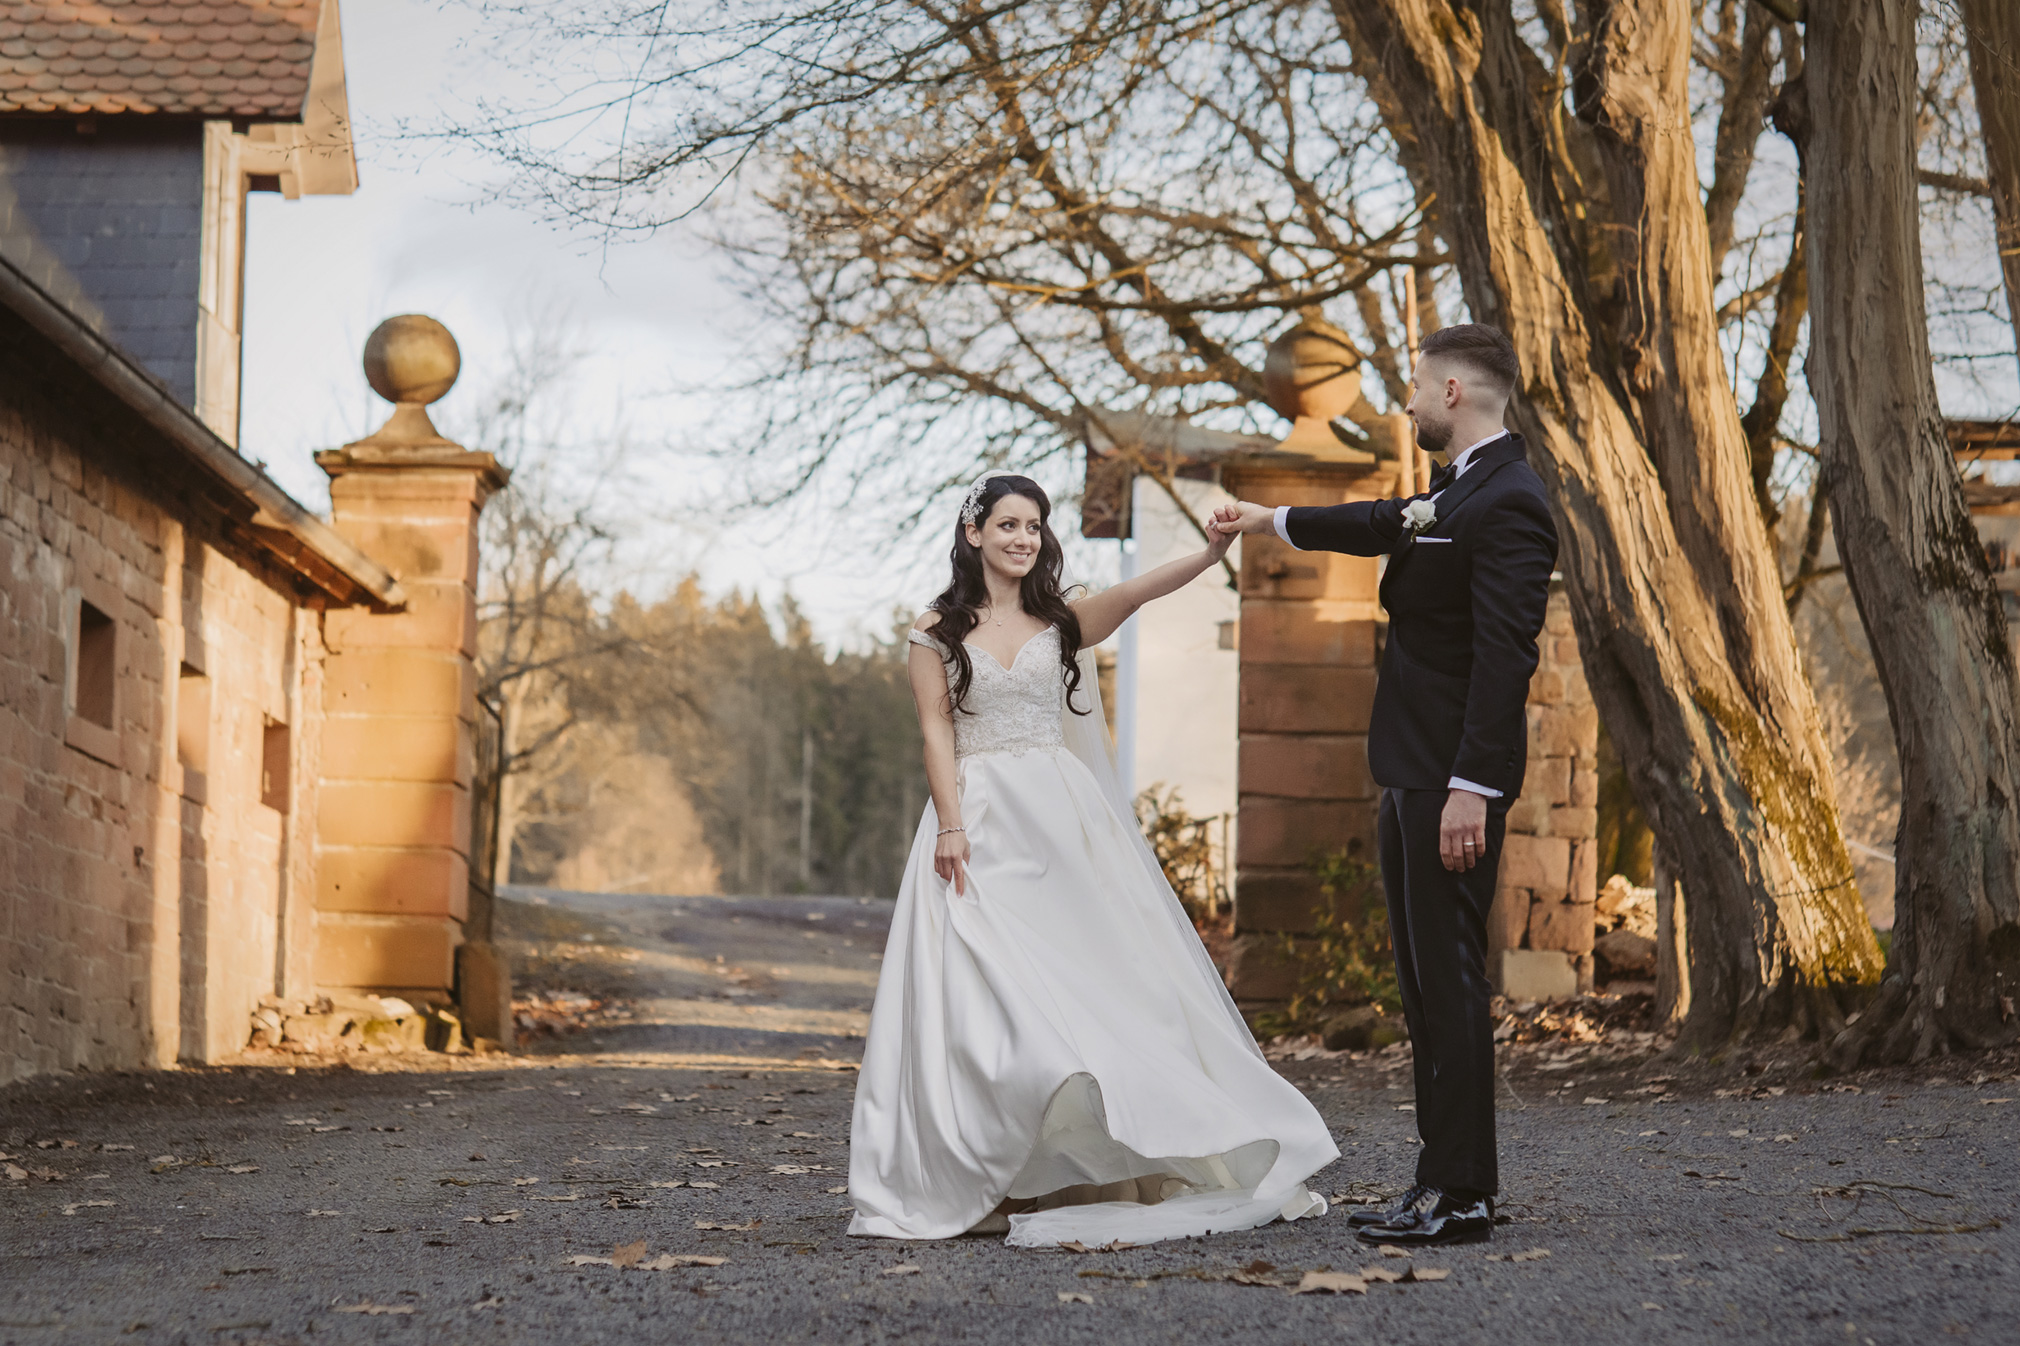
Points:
(1442, 478)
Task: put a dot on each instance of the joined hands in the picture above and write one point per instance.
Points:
(1241, 517)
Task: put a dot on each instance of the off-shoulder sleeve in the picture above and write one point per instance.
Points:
(918, 637)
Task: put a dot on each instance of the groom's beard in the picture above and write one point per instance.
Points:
(1434, 436)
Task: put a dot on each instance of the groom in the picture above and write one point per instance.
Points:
(1466, 584)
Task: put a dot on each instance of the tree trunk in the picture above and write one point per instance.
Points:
(1674, 586)
(1762, 422)
(1992, 31)
(1916, 568)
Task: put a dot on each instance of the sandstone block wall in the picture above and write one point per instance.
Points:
(144, 907)
(1308, 653)
(1549, 860)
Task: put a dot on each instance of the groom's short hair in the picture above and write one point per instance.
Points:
(1482, 349)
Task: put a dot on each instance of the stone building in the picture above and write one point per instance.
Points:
(236, 740)
(1309, 642)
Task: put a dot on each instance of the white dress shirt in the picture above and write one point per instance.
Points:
(1462, 461)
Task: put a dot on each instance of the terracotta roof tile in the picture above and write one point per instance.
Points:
(215, 59)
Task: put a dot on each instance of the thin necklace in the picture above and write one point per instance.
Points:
(992, 615)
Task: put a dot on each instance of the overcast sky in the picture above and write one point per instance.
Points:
(323, 271)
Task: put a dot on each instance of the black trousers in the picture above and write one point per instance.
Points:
(1438, 922)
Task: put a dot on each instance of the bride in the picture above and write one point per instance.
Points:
(1050, 1051)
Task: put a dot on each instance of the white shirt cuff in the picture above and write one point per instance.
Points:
(1456, 783)
(1283, 531)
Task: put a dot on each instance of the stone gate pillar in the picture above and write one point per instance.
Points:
(393, 836)
(1308, 656)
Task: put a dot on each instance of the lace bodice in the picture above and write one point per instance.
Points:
(1014, 709)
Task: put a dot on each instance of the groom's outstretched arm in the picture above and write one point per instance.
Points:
(1363, 528)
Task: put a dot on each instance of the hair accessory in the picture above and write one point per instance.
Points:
(971, 508)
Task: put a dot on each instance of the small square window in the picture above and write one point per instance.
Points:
(275, 757)
(192, 731)
(1230, 635)
(97, 665)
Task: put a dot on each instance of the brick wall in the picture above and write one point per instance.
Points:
(141, 914)
(1549, 860)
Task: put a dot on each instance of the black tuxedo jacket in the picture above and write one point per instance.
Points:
(1465, 600)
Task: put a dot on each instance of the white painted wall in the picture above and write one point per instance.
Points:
(1177, 691)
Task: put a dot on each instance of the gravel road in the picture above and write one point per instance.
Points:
(400, 1198)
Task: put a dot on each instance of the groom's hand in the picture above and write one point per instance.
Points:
(1242, 517)
(1462, 831)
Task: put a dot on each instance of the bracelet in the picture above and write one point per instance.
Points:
(945, 830)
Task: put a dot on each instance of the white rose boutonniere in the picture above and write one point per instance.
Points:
(1419, 515)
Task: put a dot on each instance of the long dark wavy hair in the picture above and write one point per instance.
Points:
(967, 592)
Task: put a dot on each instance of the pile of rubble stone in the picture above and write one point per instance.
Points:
(1623, 947)
(337, 1026)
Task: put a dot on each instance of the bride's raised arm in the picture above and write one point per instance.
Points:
(1101, 614)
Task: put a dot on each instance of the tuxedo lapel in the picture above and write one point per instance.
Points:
(1488, 459)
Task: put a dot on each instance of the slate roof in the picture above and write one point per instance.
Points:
(204, 58)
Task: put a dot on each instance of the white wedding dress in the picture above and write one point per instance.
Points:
(1056, 1038)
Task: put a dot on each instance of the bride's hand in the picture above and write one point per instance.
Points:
(1217, 542)
(950, 860)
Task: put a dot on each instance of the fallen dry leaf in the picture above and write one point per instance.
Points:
(589, 1260)
(1391, 1250)
(315, 1213)
(572, 1196)
(668, 1261)
(1428, 1273)
(1594, 1102)
(836, 1191)
(1382, 1274)
(1330, 1283)
(1067, 1296)
(675, 1183)
(628, 1254)
(1785, 1138)
(243, 1168)
(109, 1149)
(710, 1224)
(1074, 1246)
(709, 1186)
(374, 1309)
(73, 1207)
(16, 1173)
(910, 1269)
(524, 1182)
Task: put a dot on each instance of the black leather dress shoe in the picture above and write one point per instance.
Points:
(1361, 1219)
(1433, 1222)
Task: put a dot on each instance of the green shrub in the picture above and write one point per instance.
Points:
(1343, 961)
(1185, 850)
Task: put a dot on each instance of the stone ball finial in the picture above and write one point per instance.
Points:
(1312, 372)
(412, 359)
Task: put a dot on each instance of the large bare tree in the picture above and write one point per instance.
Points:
(1586, 238)
(1936, 624)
